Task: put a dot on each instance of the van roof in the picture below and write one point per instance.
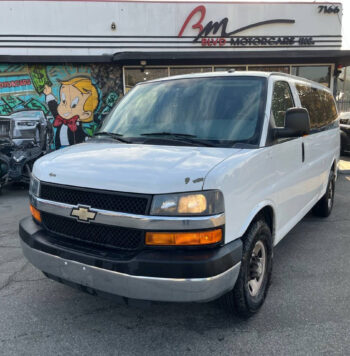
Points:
(236, 73)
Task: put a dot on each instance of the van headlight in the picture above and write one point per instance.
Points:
(34, 186)
(208, 202)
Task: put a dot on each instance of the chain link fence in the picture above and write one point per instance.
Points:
(343, 105)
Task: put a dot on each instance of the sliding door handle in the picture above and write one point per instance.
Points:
(303, 152)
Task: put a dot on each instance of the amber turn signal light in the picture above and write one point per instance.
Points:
(35, 212)
(184, 238)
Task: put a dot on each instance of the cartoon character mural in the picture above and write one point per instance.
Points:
(74, 98)
(78, 101)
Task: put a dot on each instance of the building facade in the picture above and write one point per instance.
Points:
(85, 55)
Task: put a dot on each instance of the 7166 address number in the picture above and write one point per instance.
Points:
(328, 9)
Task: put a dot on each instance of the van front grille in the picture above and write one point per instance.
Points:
(100, 235)
(98, 199)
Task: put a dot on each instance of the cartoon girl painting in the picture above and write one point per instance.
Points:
(78, 101)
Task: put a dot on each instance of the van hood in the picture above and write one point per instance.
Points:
(149, 169)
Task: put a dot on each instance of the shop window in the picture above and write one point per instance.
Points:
(188, 70)
(319, 74)
(225, 69)
(319, 103)
(282, 100)
(283, 69)
(137, 75)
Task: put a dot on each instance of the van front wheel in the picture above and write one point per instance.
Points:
(253, 281)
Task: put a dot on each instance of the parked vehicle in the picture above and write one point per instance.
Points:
(24, 137)
(186, 188)
(345, 132)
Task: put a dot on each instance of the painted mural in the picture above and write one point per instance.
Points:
(74, 98)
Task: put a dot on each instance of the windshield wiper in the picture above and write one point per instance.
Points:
(167, 134)
(181, 137)
(115, 136)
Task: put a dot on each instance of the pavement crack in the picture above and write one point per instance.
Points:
(11, 278)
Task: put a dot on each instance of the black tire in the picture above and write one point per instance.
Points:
(240, 300)
(342, 151)
(324, 206)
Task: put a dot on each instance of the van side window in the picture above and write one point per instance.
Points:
(282, 100)
(319, 103)
(330, 110)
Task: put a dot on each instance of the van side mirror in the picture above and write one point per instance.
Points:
(297, 123)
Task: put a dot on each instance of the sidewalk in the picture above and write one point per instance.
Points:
(344, 165)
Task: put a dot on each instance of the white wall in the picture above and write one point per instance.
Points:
(84, 27)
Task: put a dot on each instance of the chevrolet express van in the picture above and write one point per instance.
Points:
(186, 188)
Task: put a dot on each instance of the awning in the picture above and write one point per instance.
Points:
(338, 57)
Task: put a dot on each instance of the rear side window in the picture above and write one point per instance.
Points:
(282, 100)
(319, 103)
(330, 109)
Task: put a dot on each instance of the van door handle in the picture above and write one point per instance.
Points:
(303, 152)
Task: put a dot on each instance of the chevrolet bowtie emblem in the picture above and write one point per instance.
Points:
(83, 213)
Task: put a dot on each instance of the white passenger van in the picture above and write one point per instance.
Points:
(186, 188)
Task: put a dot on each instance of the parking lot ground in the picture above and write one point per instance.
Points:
(344, 165)
(306, 312)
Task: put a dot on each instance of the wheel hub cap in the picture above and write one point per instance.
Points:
(257, 267)
(330, 195)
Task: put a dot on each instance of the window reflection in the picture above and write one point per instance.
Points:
(319, 103)
(220, 109)
(281, 101)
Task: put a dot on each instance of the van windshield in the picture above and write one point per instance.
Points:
(216, 111)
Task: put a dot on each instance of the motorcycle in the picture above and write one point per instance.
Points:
(24, 137)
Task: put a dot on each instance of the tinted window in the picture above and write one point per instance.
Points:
(281, 101)
(330, 109)
(224, 110)
(319, 103)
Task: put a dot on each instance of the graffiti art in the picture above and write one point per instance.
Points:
(74, 98)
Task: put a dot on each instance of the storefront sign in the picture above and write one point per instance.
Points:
(219, 28)
(99, 27)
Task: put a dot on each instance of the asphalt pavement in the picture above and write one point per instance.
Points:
(307, 311)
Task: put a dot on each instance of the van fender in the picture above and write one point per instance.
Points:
(254, 213)
(334, 166)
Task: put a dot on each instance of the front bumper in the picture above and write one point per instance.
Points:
(152, 274)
